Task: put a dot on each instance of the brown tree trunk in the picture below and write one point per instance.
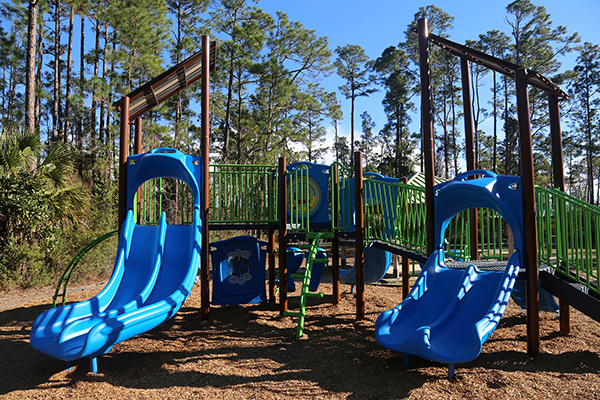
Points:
(30, 66)
(56, 94)
(81, 83)
(69, 77)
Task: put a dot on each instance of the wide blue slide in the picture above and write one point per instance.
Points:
(154, 271)
(451, 312)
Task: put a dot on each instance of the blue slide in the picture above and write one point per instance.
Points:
(377, 262)
(155, 269)
(450, 313)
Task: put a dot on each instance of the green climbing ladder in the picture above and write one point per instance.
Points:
(306, 275)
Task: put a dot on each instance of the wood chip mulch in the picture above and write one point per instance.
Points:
(248, 352)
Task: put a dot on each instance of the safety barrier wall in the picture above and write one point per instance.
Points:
(242, 194)
(396, 213)
(298, 198)
(341, 193)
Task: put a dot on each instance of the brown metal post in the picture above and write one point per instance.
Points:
(204, 204)
(137, 149)
(335, 242)
(468, 117)
(271, 256)
(530, 230)
(359, 257)
(470, 150)
(123, 154)
(283, 304)
(427, 130)
(335, 270)
(559, 182)
(405, 260)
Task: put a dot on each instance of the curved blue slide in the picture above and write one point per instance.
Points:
(450, 313)
(377, 262)
(155, 269)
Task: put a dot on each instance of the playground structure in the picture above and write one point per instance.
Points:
(403, 219)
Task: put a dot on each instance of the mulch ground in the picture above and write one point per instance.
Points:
(248, 352)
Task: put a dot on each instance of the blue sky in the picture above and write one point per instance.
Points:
(378, 24)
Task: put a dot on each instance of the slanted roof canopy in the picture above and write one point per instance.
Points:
(504, 67)
(167, 84)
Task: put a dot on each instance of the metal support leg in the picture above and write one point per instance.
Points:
(94, 365)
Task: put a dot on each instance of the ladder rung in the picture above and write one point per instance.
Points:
(291, 314)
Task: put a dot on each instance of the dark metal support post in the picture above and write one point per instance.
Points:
(470, 150)
(359, 258)
(138, 136)
(204, 203)
(530, 229)
(335, 242)
(559, 182)
(137, 149)
(123, 154)
(283, 304)
(427, 130)
(271, 255)
(405, 260)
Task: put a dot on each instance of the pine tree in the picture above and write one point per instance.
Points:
(187, 25)
(439, 23)
(353, 65)
(245, 26)
(495, 43)
(400, 84)
(294, 58)
(586, 89)
(536, 45)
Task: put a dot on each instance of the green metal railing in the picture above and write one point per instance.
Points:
(299, 198)
(242, 193)
(568, 236)
(491, 233)
(493, 229)
(341, 193)
(395, 213)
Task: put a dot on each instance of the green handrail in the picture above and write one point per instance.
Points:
(395, 213)
(66, 275)
(568, 236)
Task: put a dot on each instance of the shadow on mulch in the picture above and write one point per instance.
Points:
(338, 355)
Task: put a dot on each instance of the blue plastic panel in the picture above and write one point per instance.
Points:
(239, 271)
(318, 192)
